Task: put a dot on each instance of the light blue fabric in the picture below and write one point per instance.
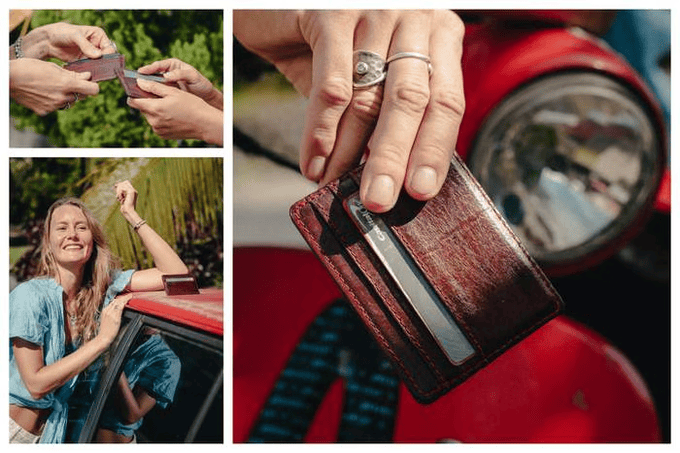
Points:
(154, 367)
(36, 315)
(643, 37)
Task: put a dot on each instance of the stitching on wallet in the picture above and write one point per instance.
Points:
(343, 282)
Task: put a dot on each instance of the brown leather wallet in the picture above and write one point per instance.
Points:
(444, 286)
(100, 69)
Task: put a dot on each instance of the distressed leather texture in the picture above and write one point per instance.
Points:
(469, 255)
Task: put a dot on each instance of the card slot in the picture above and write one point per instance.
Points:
(389, 293)
(332, 249)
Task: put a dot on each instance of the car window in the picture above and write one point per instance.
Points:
(166, 389)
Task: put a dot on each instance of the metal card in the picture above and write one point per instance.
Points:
(411, 282)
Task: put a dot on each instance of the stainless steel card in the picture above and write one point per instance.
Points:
(411, 282)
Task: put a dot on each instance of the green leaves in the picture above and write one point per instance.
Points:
(143, 36)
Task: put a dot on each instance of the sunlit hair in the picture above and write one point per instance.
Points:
(96, 274)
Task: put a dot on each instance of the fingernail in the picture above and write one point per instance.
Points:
(316, 168)
(380, 192)
(424, 180)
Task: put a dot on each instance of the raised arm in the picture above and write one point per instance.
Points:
(165, 259)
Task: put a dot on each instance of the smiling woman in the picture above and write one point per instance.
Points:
(64, 320)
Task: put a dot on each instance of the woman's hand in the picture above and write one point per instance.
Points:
(410, 125)
(176, 114)
(188, 78)
(127, 197)
(109, 322)
(66, 42)
(44, 87)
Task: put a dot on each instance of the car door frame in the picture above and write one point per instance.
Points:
(120, 349)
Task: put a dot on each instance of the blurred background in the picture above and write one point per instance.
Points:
(142, 36)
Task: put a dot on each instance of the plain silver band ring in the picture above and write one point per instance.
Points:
(417, 55)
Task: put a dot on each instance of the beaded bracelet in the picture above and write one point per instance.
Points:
(18, 53)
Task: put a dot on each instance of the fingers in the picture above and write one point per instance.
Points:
(331, 91)
(161, 66)
(436, 140)
(373, 33)
(86, 47)
(406, 97)
(82, 85)
(156, 88)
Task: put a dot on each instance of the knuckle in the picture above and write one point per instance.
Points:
(390, 158)
(365, 107)
(410, 97)
(448, 100)
(335, 92)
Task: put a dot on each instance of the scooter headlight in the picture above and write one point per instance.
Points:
(570, 160)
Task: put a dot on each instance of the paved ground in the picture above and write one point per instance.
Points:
(264, 191)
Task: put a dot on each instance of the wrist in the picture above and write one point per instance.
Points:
(215, 99)
(34, 44)
(213, 126)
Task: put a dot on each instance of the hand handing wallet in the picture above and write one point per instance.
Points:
(444, 286)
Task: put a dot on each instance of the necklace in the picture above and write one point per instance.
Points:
(72, 319)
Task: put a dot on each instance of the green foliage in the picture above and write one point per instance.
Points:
(143, 36)
(182, 200)
(36, 182)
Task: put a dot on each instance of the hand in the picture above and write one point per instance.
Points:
(45, 87)
(127, 197)
(177, 114)
(410, 125)
(187, 77)
(67, 42)
(109, 321)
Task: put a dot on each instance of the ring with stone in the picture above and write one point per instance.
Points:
(369, 69)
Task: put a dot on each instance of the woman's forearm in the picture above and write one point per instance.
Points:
(164, 257)
(41, 379)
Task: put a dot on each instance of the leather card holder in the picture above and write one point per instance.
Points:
(100, 69)
(476, 291)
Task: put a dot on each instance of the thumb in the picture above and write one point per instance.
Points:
(86, 47)
(82, 75)
(154, 87)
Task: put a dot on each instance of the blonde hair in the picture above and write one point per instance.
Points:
(96, 274)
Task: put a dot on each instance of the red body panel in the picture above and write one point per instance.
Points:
(562, 384)
(202, 311)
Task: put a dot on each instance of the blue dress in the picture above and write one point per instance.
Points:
(36, 315)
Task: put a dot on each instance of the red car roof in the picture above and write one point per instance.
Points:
(202, 311)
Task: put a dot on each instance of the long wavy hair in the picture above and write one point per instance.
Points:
(96, 274)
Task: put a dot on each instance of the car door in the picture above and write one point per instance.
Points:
(181, 368)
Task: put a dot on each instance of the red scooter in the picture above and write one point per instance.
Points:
(570, 145)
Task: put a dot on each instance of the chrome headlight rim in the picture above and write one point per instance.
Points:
(531, 94)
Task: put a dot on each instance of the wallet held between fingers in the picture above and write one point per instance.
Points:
(444, 286)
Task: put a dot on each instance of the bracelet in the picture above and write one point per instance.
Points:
(138, 224)
(18, 53)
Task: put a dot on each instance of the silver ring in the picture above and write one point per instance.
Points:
(369, 69)
(76, 95)
(417, 55)
(67, 106)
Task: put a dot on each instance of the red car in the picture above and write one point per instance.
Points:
(190, 328)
